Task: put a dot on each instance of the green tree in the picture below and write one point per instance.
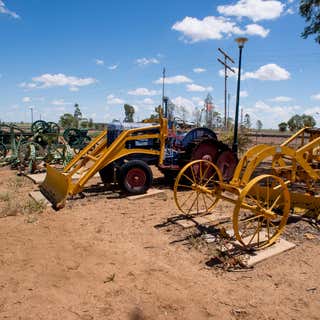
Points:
(84, 124)
(247, 121)
(217, 119)
(67, 121)
(129, 112)
(295, 123)
(308, 121)
(90, 123)
(283, 126)
(259, 125)
(77, 115)
(310, 10)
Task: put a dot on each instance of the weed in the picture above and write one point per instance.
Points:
(16, 183)
(32, 206)
(11, 208)
(4, 196)
(31, 218)
(109, 278)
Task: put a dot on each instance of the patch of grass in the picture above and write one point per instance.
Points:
(13, 206)
(32, 206)
(4, 196)
(16, 183)
(10, 208)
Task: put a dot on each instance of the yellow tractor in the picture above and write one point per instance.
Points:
(100, 155)
(122, 154)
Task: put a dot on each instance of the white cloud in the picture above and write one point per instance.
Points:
(256, 30)
(244, 94)
(112, 99)
(113, 67)
(229, 73)
(271, 115)
(255, 10)
(148, 101)
(26, 99)
(290, 11)
(214, 28)
(196, 88)
(146, 61)
(315, 96)
(184, 102)
(60, 102)
(270, 71)
(143, 92)
(28, 85)
(281, 99)
(199, 70)
(5, 10)
(276, 111)
(315, 111)
(174, 80)
(208, 28)
(58, 80)
(198, 101)
(99, 62)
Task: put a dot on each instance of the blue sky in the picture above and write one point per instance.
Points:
(101, 54)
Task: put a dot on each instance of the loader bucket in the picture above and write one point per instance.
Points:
(55, 187)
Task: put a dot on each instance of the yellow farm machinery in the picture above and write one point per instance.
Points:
(268, 183)
(123, 153)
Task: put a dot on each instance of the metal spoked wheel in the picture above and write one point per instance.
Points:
(53, 128)
(3, 151)
(39, 126)
(261, 212)
(197, 187)
(30, 155)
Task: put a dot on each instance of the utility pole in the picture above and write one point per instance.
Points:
(226, 68)
(228, 108)
(31, 110)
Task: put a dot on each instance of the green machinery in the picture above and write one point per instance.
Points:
(26, 151)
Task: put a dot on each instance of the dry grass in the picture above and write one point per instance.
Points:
(15, 200)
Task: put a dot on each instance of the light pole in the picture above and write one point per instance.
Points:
(241, 41)
(31, 110)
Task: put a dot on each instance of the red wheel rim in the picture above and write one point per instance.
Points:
(227, 163)
(136, 178)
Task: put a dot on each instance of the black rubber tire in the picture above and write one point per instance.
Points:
(107, 174)
(135, 177)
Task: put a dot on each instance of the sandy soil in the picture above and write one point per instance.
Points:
(103, 258)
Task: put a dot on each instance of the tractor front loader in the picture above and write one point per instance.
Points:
(128, 153)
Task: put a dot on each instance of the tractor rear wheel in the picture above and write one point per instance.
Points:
(227, 162)
(207, 149)
(135, 177)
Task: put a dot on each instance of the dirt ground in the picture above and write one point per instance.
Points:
(103, 257)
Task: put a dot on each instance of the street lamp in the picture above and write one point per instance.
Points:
(241, 41)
